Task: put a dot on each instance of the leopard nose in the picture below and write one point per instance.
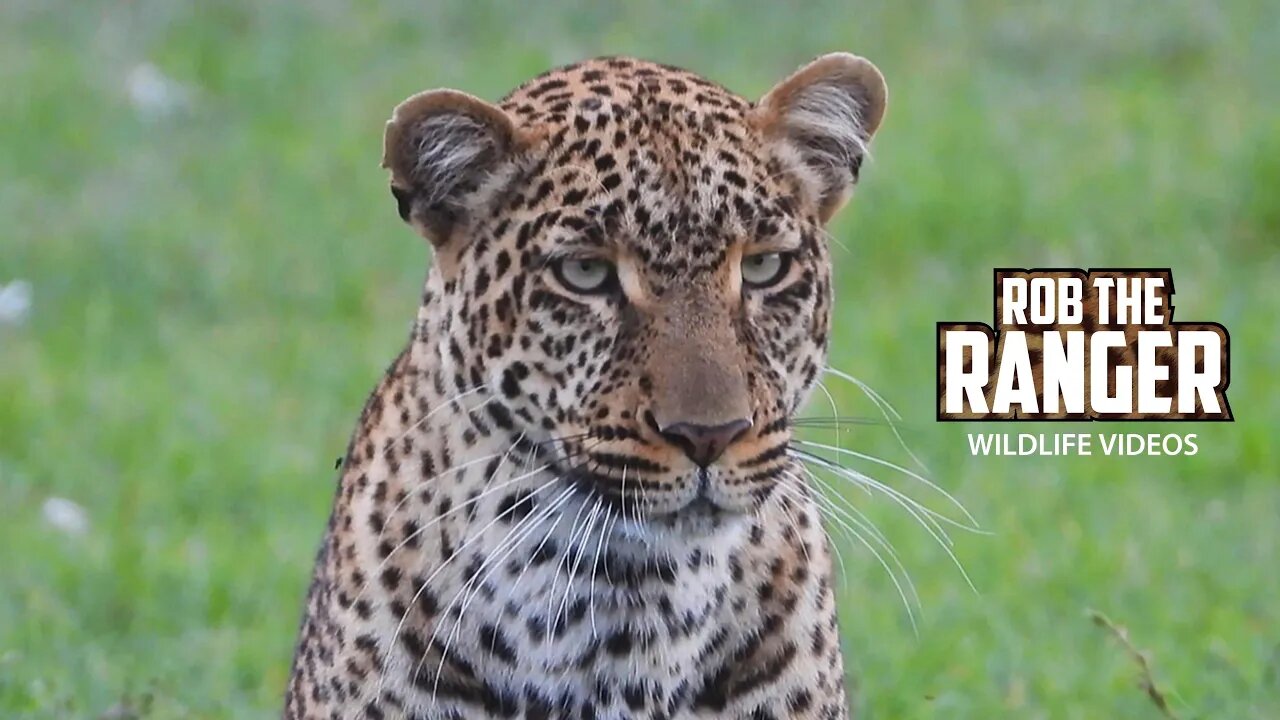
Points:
(704, 444)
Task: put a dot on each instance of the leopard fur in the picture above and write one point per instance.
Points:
(565, 501)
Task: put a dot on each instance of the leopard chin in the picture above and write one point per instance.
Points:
(701, 520)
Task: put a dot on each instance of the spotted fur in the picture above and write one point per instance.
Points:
(567, 503)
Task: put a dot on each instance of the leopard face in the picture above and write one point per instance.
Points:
(565, 497)
(631, 267)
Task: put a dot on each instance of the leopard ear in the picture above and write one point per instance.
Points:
(443, 147)
(823, 116)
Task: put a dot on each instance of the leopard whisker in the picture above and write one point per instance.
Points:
(554, 506)
(582, 546)
(923, 515)
(832, 237)
(909, 473)
(886, 409)
(564, 557)
(457, 468)
(817, 490)
(846, 505)
(606, 530)
(791, 518)
(471, 588)
(503, 462)
(447, 403)
(907, 593)
(790, 487)
(850, 515)
(926, 515)
(832, 402)
(509, 543)
(440, 568)
(439, 518)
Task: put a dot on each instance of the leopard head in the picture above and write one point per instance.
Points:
(630, 265)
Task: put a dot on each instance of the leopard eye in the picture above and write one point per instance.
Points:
(584, 275)
(765, 269)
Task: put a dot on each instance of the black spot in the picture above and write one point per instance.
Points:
(363, 609)
(620, 642)
(515, 507)
(510, 385)
(545, 552)
(495, 643)
(391, 578)
(634, 695)
(501, 415)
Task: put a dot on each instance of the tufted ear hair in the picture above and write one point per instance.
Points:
(824, 115)
(442, 147)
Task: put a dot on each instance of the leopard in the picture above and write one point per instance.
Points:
(571, 495)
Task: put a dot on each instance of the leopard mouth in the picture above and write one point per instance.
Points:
(699, 505)
(702, 503)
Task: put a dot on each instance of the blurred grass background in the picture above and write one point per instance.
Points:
(218, 277)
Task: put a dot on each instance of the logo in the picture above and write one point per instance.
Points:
(1070, 344)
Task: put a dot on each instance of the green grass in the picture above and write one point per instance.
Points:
(216, 292)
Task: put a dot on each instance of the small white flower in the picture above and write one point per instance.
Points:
(15, 302)
(153, 94)
(66, 516)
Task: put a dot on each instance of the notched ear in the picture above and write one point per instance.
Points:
(825, 115)
(442, 148)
